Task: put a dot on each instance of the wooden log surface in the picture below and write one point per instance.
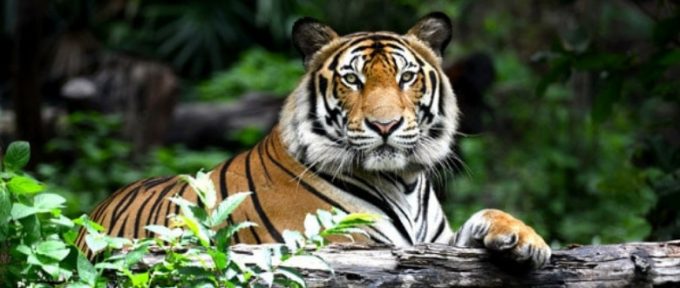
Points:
(434, 265)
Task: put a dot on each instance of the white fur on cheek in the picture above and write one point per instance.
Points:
(296, 128)
(432, 151)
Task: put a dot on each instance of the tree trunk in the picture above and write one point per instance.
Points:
(434, 265)
(27, 55)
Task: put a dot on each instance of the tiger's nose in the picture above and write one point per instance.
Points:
(384, 128)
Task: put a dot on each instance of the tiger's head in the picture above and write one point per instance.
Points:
(374, 101)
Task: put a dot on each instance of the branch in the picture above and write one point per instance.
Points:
(433, 265)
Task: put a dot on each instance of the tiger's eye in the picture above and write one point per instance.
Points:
(351, 78)
(407, 76)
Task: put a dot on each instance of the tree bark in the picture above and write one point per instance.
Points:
(27, 74)
(434, 265)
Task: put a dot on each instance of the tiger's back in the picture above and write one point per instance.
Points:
(280, 199)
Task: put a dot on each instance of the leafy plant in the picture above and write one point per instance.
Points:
(39, 240)
(256, 70)
(97, 162)
(199, 230)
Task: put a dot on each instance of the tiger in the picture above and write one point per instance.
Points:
(370, 120)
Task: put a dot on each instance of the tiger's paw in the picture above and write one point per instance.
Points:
(500, 232)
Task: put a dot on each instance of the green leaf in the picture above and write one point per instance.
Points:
(196, 228)
(79, 285)
(5, 206)
(55, 271)
(48, 201)
(187, 208)
(224, 235)
(86, 270)
(312, 226)
(20, 211)
(109, 266)
(219, 259)
(293, 240)
(70, 236)
(24, 249)
(359, 219)
(116, 242)
(159, 230)
(52, 248)
(136, 255)
(22, 185)
(91, 226)
(17, 156)
(32, 229)
(325, 218)
(227, 207)
(63, 221)
(95, 242)
(139, 279)
(203, 186)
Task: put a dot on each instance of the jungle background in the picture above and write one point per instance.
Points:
(571, 108)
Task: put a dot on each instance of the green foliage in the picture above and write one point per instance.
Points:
(38, 241)
(100, 162)
(194, 38)
(203, 231)
(256, 70)
(31, 225)
(574, 145)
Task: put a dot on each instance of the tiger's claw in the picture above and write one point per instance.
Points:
(500, 232)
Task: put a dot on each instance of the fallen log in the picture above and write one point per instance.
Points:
(434, 265)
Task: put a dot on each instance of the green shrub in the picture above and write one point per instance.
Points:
(98, 162)
(256, 70)
(38, 240)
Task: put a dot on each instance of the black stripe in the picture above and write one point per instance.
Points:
(121, 231)
(224, 190)
(152, 182)
(441, 101)
(375, 38)
(436, 130)
(306, 185)
(425, 206)
(420, 205)
(368, 197)
(264, 167)
(435, 87)
(252, 230)
(258, 207)
(410, 188)
(381, 235)
(131, 196)
(105, 205)
(155, 208)
(439, 231)
(140, 212)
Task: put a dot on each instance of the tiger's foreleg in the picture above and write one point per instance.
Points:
(501, 232)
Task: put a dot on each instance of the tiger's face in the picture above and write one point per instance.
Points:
(375, 101)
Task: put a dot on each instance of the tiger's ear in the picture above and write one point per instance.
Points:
(435, 30)
(309, 35)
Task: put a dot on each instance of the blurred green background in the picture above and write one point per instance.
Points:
(578, 133)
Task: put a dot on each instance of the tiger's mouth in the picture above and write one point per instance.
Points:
(384, 157)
